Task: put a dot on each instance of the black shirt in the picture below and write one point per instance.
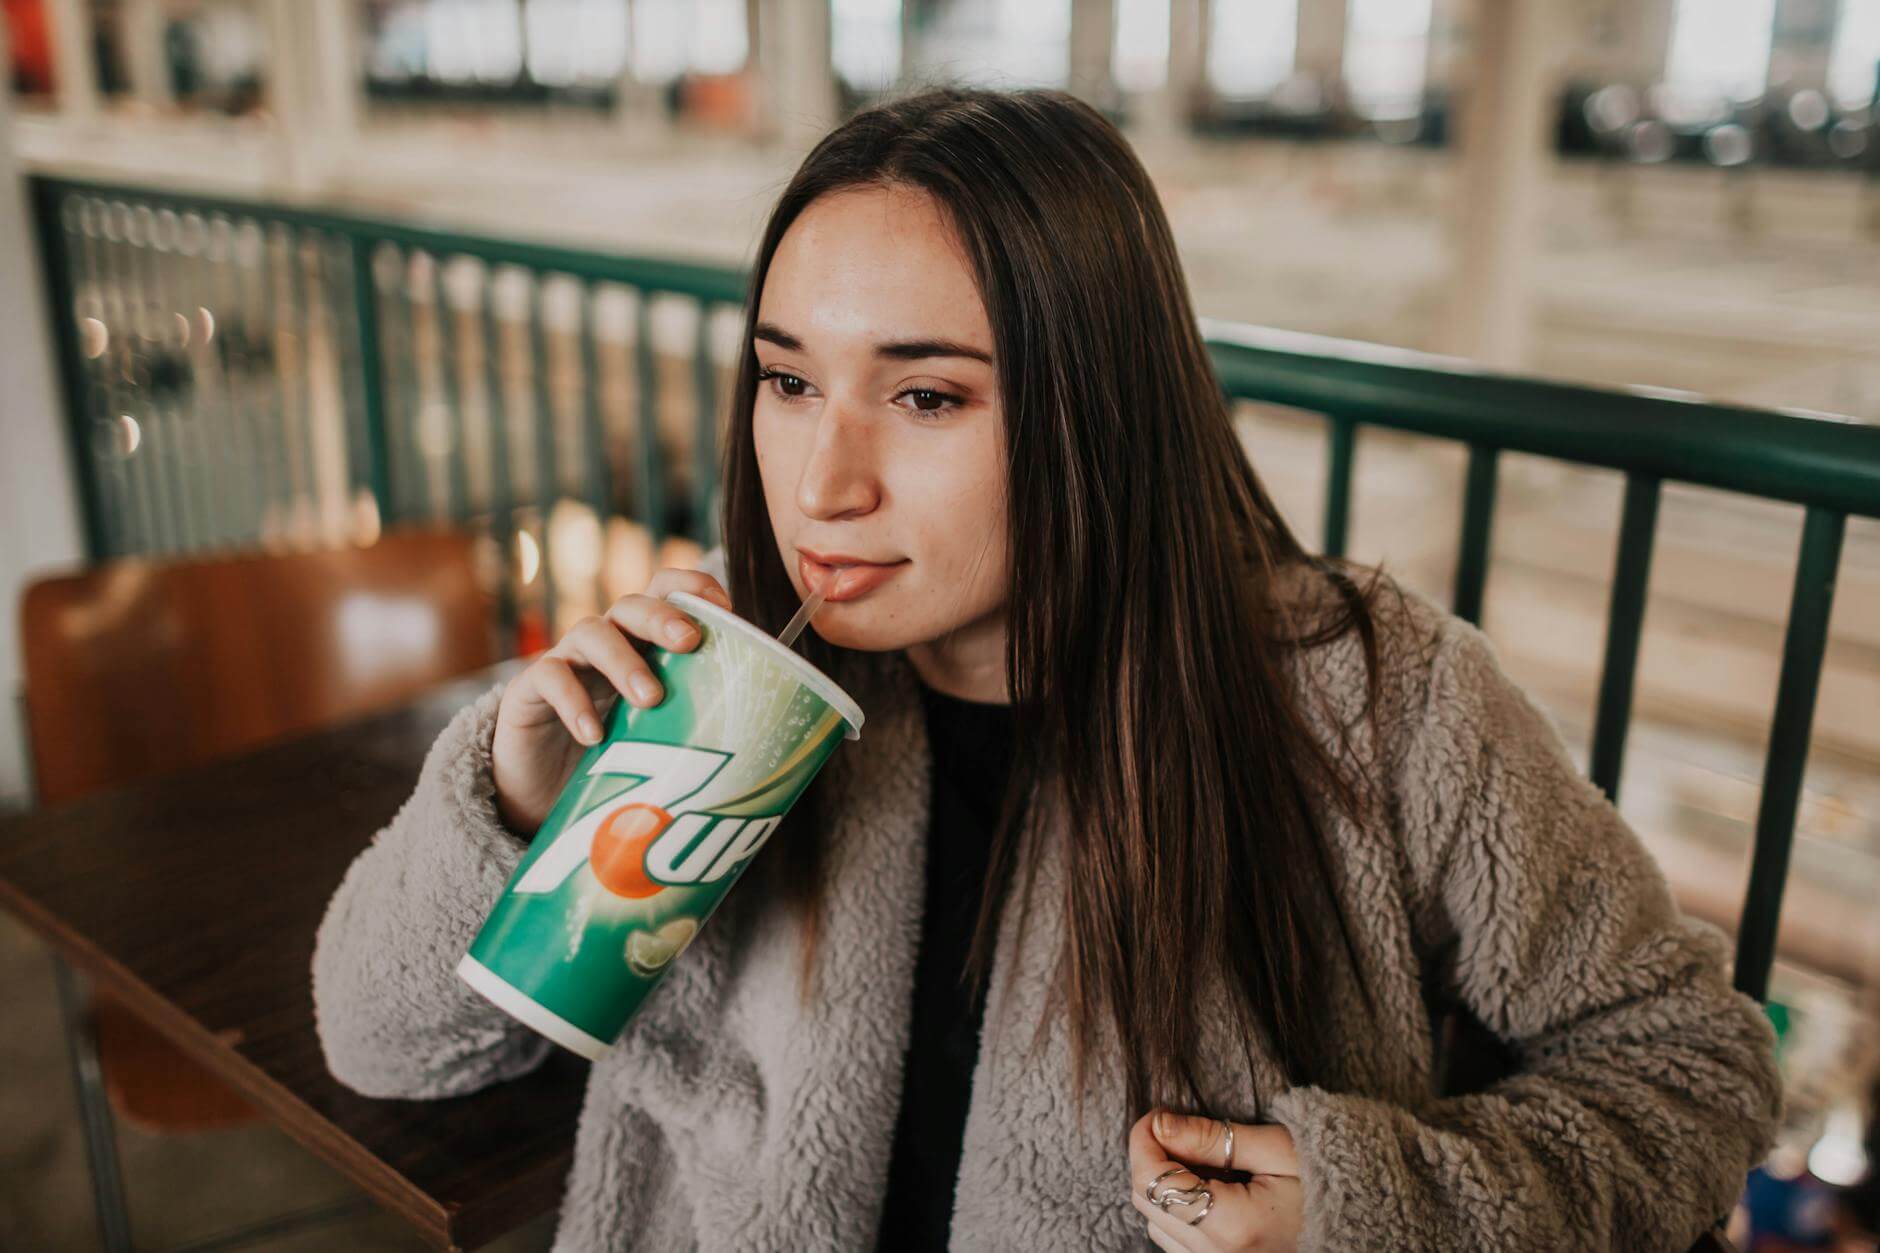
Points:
(972, 749)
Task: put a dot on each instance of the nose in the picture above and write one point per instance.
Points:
(840, 479)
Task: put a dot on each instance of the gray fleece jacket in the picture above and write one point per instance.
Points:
(1488, 874)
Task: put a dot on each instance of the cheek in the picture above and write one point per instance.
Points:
(963, 509)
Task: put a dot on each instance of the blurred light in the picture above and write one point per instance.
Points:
(1847, 139)
(182, 329)
(574, 547)
(366, 525)
(1837, 1158)
(662, 30)
(528, 557)
(117, 437)
(1728, 144)
(1612, 108)
(206, 321)
(991, 43)
(435, 437)
(383, 637)
(1650, 142)
(1301, 93)
(671, 37)
(865, 42)
(1139, 49)
(1808, 110)
(93, 337)
(680, 553)
(1252, 46)
(575, 41)
(1721, 47)
(469, 40)
(1855, 54)
(629, 558)
(1387, 45)
(720, 42)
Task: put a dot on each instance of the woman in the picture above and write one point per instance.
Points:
(1206, 834)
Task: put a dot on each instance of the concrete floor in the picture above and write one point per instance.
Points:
(182, 1188)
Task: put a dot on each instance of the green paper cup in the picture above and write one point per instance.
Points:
(657, 822)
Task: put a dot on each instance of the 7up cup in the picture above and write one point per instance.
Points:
(658, 821)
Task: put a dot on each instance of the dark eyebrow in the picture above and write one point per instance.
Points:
(894, 350)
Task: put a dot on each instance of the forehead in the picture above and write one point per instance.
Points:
(873, 263)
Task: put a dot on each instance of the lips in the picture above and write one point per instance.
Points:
(852, 576)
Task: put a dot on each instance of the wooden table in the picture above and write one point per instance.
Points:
(195, 897)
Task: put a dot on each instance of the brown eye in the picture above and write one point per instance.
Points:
(927, 403)
(784, 383)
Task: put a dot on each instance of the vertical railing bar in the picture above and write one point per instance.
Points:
(285, 476)
(193, 470)
(89, 393)
(449, 376)
(221, 349)
(336, 267)
(1478, 513)
(375, 449)
(410, 484)
(155, 438)
(547, 462)
(159, 430)
(1625, 623)
(300, 320)
(502, 506)
(118, 362)
(1343, 440)
(652, 502)
(1803, 647)
(189, 266)
(705, 439)
(238, 365)
(599, 479)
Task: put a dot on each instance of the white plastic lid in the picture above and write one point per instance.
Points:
(812, 678)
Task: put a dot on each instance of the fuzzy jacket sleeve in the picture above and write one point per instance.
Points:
(393, 1018)
(1646, 1086)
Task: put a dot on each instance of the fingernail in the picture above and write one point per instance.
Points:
(679, 632)
(1162, 1124)
(645, 689)
(590, 729)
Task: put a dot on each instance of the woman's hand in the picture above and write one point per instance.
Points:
(1265, 1212)
(549, 713)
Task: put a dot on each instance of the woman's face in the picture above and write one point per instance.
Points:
(878, 428)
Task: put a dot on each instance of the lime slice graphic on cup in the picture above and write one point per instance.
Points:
(648, 952)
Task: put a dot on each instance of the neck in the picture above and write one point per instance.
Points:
(967, 662)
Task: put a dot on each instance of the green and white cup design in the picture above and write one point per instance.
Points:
(657, 822)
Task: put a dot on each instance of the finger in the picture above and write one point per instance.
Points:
(598, 643)
(1172, 1232)
(556, 682)
(1162, 1240)
(655, 622)
(1258, 1148)
(1147, 1160)
(697, 582)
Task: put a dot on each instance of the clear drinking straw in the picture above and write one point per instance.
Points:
(788, 635)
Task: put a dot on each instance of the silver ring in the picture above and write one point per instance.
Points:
(1184, 1197)
(1227, 1154)
(1150, 1190)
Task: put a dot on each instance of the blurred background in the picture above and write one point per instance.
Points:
(320, 269)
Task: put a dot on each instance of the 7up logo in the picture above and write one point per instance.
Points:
(635, 841)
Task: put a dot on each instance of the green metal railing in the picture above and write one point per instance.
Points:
(232, 367)
(142, 264)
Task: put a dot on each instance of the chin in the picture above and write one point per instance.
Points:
(854, 626)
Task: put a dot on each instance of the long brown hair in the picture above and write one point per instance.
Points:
(1145, 550)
